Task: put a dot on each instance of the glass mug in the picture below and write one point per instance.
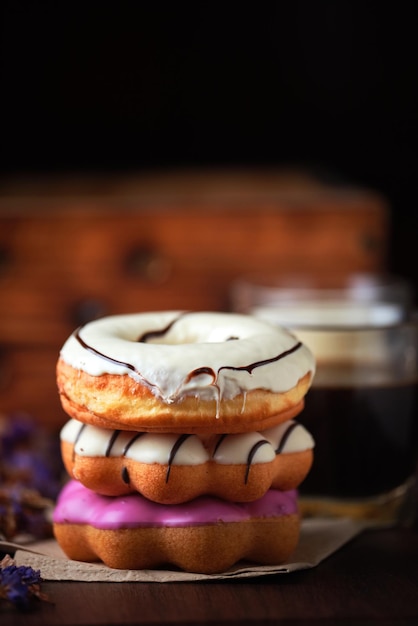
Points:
(362, 408)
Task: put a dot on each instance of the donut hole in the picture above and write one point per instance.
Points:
(184, 336)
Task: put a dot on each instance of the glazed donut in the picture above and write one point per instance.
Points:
(172, 468)
(183, 372)
(206, 535)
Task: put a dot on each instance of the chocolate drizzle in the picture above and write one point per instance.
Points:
(242, 368)
(82, 427)
(112, 440)
(218, 443)
(286, 436)
(106, 357)
(250, 456)
(130, 442)
(202, 370)
(153, 334)
(253, 366)
(173, 453)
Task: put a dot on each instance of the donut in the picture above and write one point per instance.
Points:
(207, 535)
(183, 372)
(175, 468)
(181, 447)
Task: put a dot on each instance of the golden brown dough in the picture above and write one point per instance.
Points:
(180, 483)
(206, 549)
(118, 401)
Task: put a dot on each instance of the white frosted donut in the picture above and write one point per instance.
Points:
(152, 370)
(171, 468)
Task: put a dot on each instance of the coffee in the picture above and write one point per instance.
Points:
(362, 406)
(366, 433)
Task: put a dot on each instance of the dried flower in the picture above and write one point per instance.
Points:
(19, 585)
(30, 477)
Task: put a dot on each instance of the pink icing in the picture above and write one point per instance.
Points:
(79, 505)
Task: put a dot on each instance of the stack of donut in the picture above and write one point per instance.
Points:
(181, 446)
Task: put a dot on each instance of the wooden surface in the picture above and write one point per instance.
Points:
(372, 580)
(72, 250)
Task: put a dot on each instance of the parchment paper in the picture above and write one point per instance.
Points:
(319, 539)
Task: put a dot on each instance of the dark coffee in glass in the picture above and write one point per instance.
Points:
(366, 437)
(362, 411)
(362, 406)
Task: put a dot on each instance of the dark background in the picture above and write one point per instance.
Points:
(328, 85)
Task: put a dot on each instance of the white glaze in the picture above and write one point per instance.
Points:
(196, 340)
(234, 449)
(156, 448)
(92, 441)
(299, 438)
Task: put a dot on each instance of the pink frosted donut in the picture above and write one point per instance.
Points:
(205, 535)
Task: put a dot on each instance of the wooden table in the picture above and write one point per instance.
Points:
(371, 580)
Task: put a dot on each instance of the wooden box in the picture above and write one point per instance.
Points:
(73, 250)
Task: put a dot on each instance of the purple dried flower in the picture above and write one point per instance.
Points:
(30, 476)
(19, 585)
(14, 589)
